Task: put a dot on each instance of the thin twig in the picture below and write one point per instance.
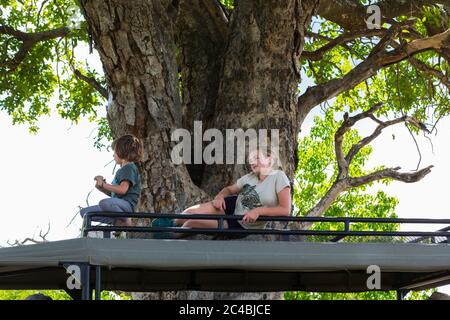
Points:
(73, 218)
(431, 142)
(39, 12)
(43, 236)
(87, 197)
(108, 164)
(417, 146)
(435, 124)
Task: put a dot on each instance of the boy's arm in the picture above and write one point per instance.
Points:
(101, 189)
(99, 182)
(120, 189)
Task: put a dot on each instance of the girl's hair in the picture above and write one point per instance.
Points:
(129, 148)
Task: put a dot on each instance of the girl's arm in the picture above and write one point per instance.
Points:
(229, 190)
(219, 201)
(283, 208)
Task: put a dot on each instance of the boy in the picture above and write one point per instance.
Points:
(124, 190)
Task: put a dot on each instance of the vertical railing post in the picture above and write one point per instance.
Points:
(401, 294)
(220, 223)
(347, 227)
(98, 282)
(86, 282)
(86, 224)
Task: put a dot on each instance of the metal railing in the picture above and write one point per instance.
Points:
(335, 234)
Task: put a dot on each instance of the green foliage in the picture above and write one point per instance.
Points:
(433, 16)
(316, 172)
(23, 294)
(369, 295)
(26, 92)
(104, 135)
(400, 86)
(56, 295)
(228, 3)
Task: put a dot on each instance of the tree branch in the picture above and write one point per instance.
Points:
(423, 67)
(344, 181)
(390, 173)
(342, 39)
(32, 240)
(28, 41)
(217, 10)
(92, 82)
(226, 11)
(201, 31)
(351, 15)
(338, 139)
(381, 125)
(369, 67)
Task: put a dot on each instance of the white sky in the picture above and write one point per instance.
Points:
(45, 177)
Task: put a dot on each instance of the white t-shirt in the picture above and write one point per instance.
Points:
(255, 193)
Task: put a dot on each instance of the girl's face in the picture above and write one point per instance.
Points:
(258, 162)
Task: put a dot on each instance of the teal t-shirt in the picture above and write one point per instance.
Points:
(130, 173)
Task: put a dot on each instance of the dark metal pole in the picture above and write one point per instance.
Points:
(87, 224)
(98, 282)
(401, 294)
(85, 282)
(220, 223)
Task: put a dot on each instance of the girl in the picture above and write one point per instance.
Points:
(125, 189)
(263, 192)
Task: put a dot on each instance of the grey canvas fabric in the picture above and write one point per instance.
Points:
(139, 265)
(243, 255)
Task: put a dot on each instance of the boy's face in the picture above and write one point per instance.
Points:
(116, 158)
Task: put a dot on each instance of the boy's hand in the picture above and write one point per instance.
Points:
(99, 180)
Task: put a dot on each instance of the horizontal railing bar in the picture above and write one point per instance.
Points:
(269, 231)
(267, 218)
(428, 237)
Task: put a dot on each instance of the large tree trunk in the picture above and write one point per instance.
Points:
(136, 46)
(260, 77)
(243, 73)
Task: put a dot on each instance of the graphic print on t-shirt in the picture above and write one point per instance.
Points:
(250, 198)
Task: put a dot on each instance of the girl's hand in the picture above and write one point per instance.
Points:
(251, 216)
(219, 203)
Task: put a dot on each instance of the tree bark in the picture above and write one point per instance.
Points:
(260, 77)
(135, 41)
(238, 74)
(201, 34)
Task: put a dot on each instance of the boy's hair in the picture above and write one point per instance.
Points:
(128, 147)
